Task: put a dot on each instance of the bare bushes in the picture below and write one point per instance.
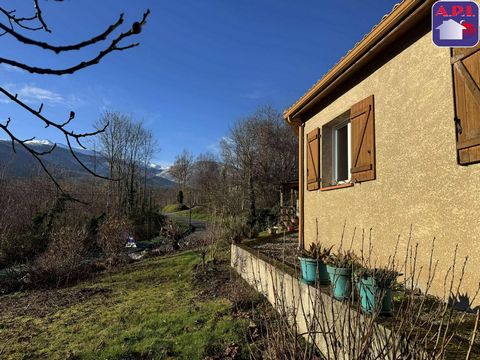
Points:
(61, 263)
(210, 241)
(18, 240)
(112, 238)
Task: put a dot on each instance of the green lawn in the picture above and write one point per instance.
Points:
(148, 310)
(171, 208)
(198, 213)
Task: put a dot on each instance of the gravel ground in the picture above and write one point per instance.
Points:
(283, 249)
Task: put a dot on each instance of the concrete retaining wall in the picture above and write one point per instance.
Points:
(337, 329)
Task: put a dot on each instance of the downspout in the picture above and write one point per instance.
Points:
(301, 184)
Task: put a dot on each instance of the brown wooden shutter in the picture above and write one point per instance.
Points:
(313, 160)
(466, 74)
(362, 117)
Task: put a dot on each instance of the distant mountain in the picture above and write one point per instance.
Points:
(61, 162)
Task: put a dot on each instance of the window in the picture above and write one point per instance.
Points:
(336, 151)
(341, 152)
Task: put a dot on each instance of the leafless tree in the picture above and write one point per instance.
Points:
(21, 27)
(127, 147)
(148, 149)
(206, 178)
(261, 152)
(182, 169)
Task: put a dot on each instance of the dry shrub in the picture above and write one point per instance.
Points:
(17, 242)
(112, 237)
(61, 263)
(175, 232)
(209, 241)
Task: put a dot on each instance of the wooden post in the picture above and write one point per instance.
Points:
(301, 131)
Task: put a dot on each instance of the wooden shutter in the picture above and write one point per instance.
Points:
(313, 160)
(362, 117)
(466, 75)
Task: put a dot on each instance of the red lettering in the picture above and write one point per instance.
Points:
(469, 11)
(441, 11)
(457, 10)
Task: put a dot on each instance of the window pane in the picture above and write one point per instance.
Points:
(342, 154)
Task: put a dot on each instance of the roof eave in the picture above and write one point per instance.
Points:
(387, 26)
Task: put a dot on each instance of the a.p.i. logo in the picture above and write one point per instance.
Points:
(455, 23)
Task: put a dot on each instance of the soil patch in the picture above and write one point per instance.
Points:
(218, 280)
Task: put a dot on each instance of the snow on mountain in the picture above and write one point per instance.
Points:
(164, 173)
(22, 163)
(39, 142)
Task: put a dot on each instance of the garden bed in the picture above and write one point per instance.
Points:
(280, 247)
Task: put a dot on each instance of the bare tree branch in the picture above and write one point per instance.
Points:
(135, 29)
(48, 122)
(12, 19)
(82, 164)
(61, 48)
(36, 22)
(61, 127)
(39, 16)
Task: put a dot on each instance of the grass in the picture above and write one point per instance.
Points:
(148, 310)
(198, 212)
(263, 234)
(171, 208)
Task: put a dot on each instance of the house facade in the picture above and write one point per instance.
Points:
(389, 148)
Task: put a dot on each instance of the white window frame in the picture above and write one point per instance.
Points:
(334, 151)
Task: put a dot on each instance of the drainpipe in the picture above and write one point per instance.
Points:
(301, 184)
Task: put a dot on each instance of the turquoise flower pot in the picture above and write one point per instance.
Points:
(372, 297)
(309, 270)
(341, 279)
(323, 277)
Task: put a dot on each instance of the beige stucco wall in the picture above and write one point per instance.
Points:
(418, 183)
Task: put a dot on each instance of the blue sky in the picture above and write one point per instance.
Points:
(201, 64)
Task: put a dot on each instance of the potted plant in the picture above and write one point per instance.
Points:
(312, 262)
(339, 268)
(375, 287)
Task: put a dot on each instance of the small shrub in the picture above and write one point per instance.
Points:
(112, 237)
(175, 231)
(61, 263)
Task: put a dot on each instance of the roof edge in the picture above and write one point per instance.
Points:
(389, 22)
